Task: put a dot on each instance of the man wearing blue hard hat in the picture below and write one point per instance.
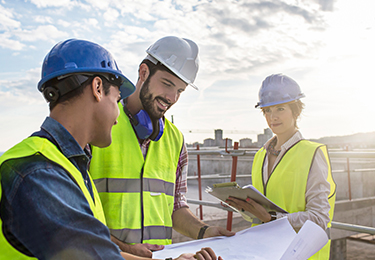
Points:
(50, 208)
(145, 167)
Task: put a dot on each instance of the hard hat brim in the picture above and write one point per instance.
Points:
(126, 88)
(270, 104)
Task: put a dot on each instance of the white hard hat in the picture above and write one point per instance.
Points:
(178, 54)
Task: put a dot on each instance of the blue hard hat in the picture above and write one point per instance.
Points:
(278, 89)
(82, 57)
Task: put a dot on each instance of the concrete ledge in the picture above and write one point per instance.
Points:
(356, 211)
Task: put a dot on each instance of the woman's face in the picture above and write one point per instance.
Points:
(280, 119)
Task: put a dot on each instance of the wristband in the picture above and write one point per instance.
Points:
(273, 215)
(202, 231)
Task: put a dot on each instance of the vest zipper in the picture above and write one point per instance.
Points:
(262, 173)
(142, 210)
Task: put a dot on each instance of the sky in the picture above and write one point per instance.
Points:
(327, 46)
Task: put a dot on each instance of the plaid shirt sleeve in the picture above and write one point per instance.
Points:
(181, 180)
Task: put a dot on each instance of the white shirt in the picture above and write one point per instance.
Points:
(317, 187)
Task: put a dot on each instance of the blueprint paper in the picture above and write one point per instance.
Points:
(307, 242)
(269, 241)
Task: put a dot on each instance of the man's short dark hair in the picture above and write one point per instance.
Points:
(77, 91)
(153, 68)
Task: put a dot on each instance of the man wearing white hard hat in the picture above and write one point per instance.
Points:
(141, 177)
(49, 206)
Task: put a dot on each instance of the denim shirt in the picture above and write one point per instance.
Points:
(44, 212)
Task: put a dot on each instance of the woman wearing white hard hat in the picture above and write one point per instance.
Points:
(291, 171)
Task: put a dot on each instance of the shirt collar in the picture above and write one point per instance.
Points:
(294, 139)
(63, 139)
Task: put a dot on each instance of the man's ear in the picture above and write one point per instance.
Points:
(144, 72)
(97, 88)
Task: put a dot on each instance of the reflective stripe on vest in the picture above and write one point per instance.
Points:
(133, 185)
(149, 233)
(137, 194)
(286, 185)
(32, 146)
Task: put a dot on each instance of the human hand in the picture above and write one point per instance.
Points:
(204, 254)
(214, 231)
(251, 206)
(144, 250)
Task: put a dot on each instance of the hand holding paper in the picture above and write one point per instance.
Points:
(223, 191)
(204, 253)
(251, 206)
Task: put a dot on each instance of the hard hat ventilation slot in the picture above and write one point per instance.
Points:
(70, 65)
(171, 60)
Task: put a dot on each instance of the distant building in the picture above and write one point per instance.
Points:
(219, 137)
(194, 145)
(355, 141)
(209, 142)
(221, 142)
(229, 143)
(263, 138)
(246, 142)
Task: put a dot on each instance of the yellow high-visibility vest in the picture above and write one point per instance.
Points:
(31, 146)
(286, 185)
(138, 194)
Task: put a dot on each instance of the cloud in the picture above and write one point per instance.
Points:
(54, 3)
(7, 43)
(21, 115)
(238, 37)
(326, 5)
(103, 5)
(43, 19)
(128, 46)
(7, 20)
(272, 8)
(110, 15)
(63, 23)
(92, 22)
(44, 32)
(23, 88)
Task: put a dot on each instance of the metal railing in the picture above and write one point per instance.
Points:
(337, 225)
(235, 153)
(352, 227)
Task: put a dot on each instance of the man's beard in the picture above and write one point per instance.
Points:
(148, 102)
